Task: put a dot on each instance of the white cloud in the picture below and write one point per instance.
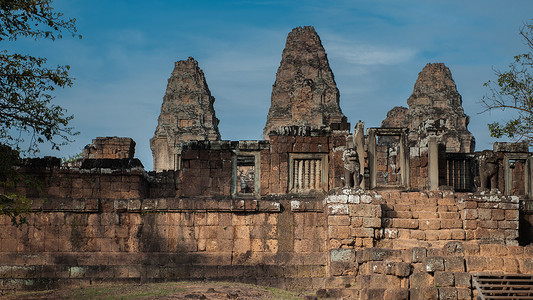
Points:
(355, 53)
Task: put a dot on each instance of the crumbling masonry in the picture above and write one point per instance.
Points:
(412, 212)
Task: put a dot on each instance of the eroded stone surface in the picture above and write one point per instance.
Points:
(305, 92)
(435, 106)
(187, 114)
(110, 148)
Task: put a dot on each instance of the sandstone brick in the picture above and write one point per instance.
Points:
(508, 225)
(405, 223)
(380, 281)
(340, 232)
(454, 264)
(470, 224)
(338, 220)
(338, 209)
(484, 213)
(424, 293)
(450, 224)
(525, 265)
(425, 215)
(241, 245)
(443, 279)
(421, 279)
(365, 210)
(418, 235)
(418, 254)
(379, 254)
(447, 293)
(434, 263)
(372, 222)
(429, 224)
(463, 280)
(396, 294)
(362, 232)
(272, 246)
(489, 250)
(464, 294)
(432, 235)
(510, 265)
(356, 221)
(488, 224)
(498, 214)
(449, 215)
(372, 293)
(511, 215)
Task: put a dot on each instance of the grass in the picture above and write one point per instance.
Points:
(122, 291)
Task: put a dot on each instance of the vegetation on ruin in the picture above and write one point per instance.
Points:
(28, 118)
(167, 290)
(513, 90)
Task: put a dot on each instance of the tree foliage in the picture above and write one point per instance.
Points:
(28, 117)
(514, 90)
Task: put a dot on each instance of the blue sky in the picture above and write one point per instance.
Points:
(375, 48)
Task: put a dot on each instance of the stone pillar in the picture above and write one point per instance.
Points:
(404, 160)
(372, 159)
(433, 164)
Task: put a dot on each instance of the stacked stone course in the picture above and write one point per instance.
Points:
(281, 212)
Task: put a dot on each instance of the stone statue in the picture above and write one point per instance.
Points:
(488, 171)
(352, 168)
(353, 156)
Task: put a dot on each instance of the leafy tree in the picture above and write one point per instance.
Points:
(26, 84)
(514, 90)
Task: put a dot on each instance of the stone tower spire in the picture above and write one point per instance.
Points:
(187, 114)
(305, 92)
(435, 106)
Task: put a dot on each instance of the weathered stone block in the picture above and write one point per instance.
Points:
(379, 281)
(447, 293)
(340, 232)
(429, 224)
(464, 294)
(424, 293)
(418, 254)
(362, 232)
(338, 220)
(378, 254)
(373, 293)
(405, 223)
(443, 279)
(450, 224)
(484, 214)
(463, 280)
(372, 222)
(434, 263)
(338, 209)
(396, 294)
(454, 264)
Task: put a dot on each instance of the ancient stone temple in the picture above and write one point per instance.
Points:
(407, 210)
(187, 114)
(305, 92)
(435, 109)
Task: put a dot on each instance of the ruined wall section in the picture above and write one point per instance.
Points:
(293, 146)
(187, 114)
(409, 219)
(110, 148)
(305, 92)
(435, 110)
(412, 245)
(259, 242)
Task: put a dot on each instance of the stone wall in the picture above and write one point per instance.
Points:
(427, 272)
(401, 220)
(263, 242)
(110, 148)
(110, 220)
